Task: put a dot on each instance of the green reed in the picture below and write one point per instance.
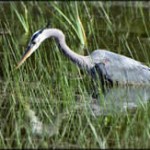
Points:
(50, 89)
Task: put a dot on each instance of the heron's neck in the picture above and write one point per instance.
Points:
(81, 61)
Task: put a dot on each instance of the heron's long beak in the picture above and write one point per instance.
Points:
(27, 53)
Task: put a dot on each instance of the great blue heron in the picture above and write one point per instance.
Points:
(109, 66)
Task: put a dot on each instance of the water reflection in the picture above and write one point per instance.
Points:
(120, 99)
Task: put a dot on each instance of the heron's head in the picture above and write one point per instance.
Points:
(37, 38)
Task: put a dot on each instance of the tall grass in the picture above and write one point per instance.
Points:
(47, 102)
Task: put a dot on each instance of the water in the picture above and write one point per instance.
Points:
(121, 99)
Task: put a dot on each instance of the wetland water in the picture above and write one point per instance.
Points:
(121, 99)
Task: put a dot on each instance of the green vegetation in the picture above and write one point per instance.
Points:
(52, 92)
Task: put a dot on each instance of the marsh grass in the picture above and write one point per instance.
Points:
(48, 86)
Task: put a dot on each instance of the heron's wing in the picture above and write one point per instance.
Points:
(122, 69)
(126, 71)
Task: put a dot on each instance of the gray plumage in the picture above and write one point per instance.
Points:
(109, 66)
(121, 69)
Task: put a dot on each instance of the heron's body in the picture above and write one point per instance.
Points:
(107, 65)
(120, 69)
